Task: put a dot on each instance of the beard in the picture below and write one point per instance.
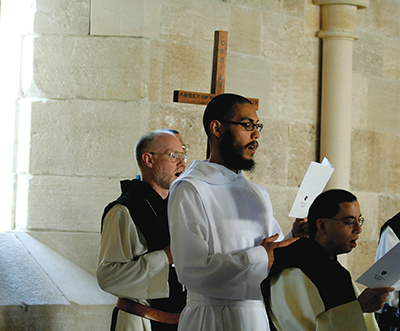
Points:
(162, 178)
(232, 153)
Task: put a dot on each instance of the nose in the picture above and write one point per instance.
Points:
(357, 228)
(255, 134)
(181, 162)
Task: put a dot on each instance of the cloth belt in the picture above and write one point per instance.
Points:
(150, 313)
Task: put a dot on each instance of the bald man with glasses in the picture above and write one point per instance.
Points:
(307, 288)
(135, 261)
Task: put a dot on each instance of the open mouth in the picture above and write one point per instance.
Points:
(253, 146)
(177, 174)
(353, 243)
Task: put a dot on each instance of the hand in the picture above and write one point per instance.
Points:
(300, 228)
(269, 244)
(168, 252)
(372, 299)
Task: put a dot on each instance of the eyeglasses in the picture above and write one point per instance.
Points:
(351, 221)
(175, 156)
(248, 126)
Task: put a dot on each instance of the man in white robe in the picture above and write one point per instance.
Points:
(135, 262)
(223, 231)
(389, 316)
(307, 288)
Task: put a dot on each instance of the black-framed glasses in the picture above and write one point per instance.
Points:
(248, 126)
(175, 156)
(351, 221)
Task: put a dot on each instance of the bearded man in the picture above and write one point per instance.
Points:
(223, 231)
(135, 261)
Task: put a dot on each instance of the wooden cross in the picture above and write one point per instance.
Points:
(217, 77)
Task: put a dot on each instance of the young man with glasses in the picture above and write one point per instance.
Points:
(223, 231)
(135, 261)
(307, 288)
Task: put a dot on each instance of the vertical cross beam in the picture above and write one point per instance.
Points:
(217, 76)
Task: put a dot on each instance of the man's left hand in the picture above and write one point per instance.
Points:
(300, 228)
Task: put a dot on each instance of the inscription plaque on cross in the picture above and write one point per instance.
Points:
(217, 77)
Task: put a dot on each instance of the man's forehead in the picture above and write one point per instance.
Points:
(170, 142)
(245, 111)
(349, 209)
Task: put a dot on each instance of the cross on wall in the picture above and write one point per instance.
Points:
(217, 77)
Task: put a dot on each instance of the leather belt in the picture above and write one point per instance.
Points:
(150, 313)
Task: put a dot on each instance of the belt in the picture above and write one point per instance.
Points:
(150, 313)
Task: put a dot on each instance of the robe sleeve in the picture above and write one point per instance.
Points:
(125, 268)
(295, 304)
(234, 276)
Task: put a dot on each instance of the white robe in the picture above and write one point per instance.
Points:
(387, 241)
(217, 221)
(127, 270)
(297, 305)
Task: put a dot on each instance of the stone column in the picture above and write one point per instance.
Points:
(337, 33)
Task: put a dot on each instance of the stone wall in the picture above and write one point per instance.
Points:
(98, 74)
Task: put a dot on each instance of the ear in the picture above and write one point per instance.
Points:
(320, 224)
(148, 160)
(216, 128)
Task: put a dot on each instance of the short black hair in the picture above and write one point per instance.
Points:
(221, 108)
(326, 205)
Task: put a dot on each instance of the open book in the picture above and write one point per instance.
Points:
(385, 272)
(313, 184)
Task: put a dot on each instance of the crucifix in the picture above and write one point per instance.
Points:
(217, 77)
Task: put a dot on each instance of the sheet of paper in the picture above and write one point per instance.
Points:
(385, 272)
(313, 184)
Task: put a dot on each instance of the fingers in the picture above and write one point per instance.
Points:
(286, 242)
(383, 290)
(272, 238)
(373, 299)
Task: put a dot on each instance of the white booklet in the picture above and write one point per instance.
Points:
(313, 184)
(385, 272)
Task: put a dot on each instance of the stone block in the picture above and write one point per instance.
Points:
(368, 53)
(359, 104)
(185, 118)
(294, 8)
(83, 68)
(312, 19)
(80, 137)
(244, 31)
(18, 289)
(80, 248)
(381, 17)
(282, 200)
(56, 317)
(69, 17)
(63, 203)
(383, 105)
(126, 18)
(283, 38)
(393, 164)
(369, 206)
(193, 22)
(391, 58)
(178, 67)
(301, 150)
(389, 205)
(294, 91)
(368, 161)
(249, 76)
(272, 155)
